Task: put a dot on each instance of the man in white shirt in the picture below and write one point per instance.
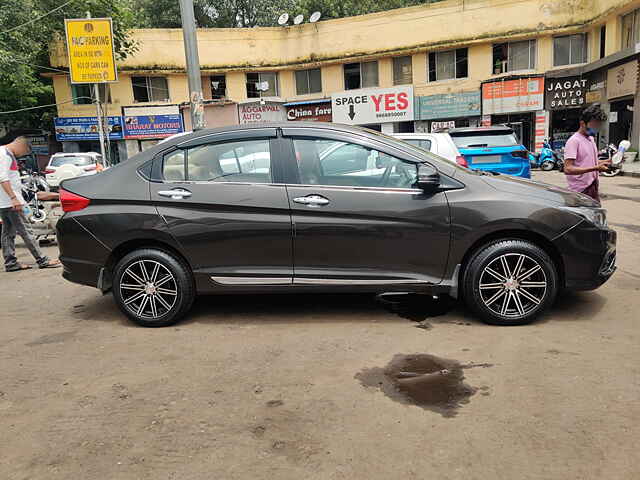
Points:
(11, 209)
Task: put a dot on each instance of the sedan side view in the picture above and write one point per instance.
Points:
(315, 207)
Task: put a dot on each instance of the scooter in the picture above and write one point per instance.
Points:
(616, 155)
(546, 159)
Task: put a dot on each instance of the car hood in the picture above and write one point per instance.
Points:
(539, 191)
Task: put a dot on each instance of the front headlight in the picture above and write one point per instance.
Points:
(597, 216)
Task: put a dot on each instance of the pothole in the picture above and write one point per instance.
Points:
(433, 383)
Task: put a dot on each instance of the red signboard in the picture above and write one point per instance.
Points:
(313, 112)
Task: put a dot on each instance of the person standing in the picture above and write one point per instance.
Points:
(581, 165)
(11, 209)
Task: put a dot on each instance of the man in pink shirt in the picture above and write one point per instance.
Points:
(581, 165)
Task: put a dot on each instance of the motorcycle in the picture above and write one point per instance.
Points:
(42, 215)
(615, 155)
(546, 159)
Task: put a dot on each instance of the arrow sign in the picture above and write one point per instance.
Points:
(352, 112)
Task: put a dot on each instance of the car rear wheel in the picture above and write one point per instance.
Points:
(153, 287)
(510, 282)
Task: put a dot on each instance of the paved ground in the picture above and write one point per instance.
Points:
(265, 388)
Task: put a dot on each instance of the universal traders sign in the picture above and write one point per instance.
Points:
(375, 105)
(561, 93)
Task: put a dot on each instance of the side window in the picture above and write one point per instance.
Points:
(242, 161)
(329, 162)
(173, 166)
(422, 143)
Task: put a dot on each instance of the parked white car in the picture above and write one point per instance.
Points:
(70, 165)
(439, 143)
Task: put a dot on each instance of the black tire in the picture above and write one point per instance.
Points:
(489, 302)
(126, 285)
(547, 166)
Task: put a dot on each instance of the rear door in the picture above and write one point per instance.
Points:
(358, 220)
(224, 202)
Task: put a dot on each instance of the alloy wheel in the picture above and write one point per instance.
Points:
(148, 289)
(513, 285)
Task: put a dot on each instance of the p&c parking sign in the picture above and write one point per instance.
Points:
(91, 52)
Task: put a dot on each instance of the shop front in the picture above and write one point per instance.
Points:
(565, 97)
(255, 111)
(217, 113)
(389, 110)
(622, 83)
(146, 126)
(309, 111)
(518, 103)
(437, 113)
(80, 134)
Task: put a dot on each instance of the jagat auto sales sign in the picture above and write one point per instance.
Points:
(567, 92)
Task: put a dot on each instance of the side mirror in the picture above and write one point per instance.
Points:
(428, 178)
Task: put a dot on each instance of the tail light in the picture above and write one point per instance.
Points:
(48, 170)
(520, 154)
(71, 202)
(460, 160)
(90, 168)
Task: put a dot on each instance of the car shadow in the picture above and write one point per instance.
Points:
(575, 306)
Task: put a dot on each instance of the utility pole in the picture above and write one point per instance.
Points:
(96, 94)
(193, 64)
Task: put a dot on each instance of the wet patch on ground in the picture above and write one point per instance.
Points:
(53, 338)
(430, 382)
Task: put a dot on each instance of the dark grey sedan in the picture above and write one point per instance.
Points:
(297, 207)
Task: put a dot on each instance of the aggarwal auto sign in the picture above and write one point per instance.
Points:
(561, 93)
(374, 105)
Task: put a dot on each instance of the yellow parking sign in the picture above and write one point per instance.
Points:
(90, 49)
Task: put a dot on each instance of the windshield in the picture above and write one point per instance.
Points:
(79, 161)
(484, 139)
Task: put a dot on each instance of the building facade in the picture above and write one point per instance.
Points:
(425, 68)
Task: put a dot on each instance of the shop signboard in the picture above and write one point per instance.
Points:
(255, 112)
(69, 129)
(317, 111)
(373, 105)
(567, 92)
(448, 105)
(159, 121)
(442, 126)
(622, 80)
(90, 49)
(512, 96)
(39, 144)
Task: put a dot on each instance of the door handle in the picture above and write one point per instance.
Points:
(312, 200)
(176, 194)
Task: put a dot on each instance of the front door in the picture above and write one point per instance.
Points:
(222, 203)
(358, 218)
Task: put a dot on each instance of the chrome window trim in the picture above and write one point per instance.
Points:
(330, 187)
(252, 280)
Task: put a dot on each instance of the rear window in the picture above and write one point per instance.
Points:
(424, 144)
(484, 139)
(79, 161)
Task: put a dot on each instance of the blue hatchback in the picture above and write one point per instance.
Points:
(495, 149)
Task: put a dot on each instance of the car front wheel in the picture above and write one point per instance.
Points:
(153, 287)
(510, 282)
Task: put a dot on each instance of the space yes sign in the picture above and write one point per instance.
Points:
(373, 105)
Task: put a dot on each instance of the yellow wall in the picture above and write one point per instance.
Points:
(476, 24)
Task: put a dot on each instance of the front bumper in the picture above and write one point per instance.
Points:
(589, 256)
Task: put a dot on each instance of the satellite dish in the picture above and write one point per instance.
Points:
(315, 16)
(298, 20)
(283, 19)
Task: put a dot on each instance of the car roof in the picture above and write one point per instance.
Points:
(417, 134)
(74, 154)
(493, 128)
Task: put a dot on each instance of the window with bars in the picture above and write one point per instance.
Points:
(402, 70)
(150, 89)
(84, 93)
(448, 64)
(630, 24)
(514, 56)
(360, 75)
(569, 49)
(218, 86)
(255, 81)
(308, 81)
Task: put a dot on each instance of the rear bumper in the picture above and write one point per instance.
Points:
(81, 271)
(589, 256)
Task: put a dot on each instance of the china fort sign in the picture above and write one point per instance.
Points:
(569, 92)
